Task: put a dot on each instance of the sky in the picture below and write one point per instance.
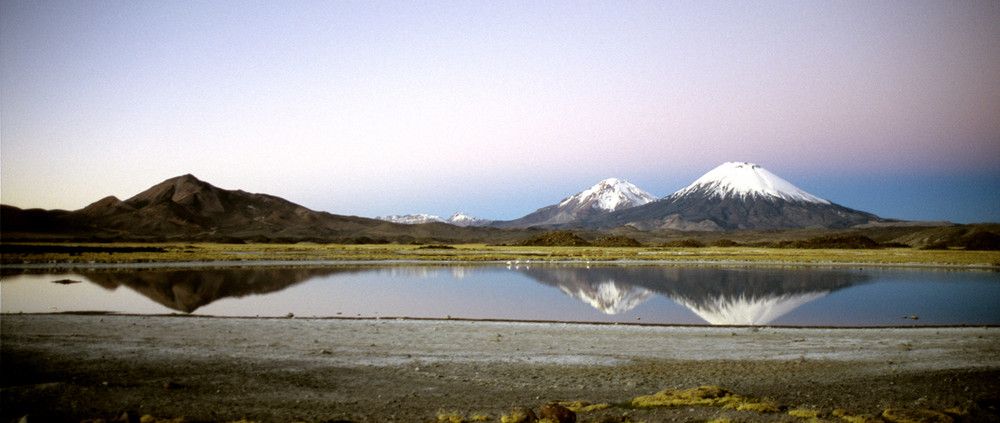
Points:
(496, 109)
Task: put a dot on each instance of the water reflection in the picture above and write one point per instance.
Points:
(189, 290)
(679, 295)
(719, 296)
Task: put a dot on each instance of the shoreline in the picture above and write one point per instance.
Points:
(64, 366)
(489, 320)
(221, 264)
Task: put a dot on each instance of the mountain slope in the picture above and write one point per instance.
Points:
(607, 196)
(736, 196)
(186, 208)
(186, 205)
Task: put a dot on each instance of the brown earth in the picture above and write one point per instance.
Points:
(74, 367)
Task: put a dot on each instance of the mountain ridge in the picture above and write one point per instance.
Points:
(185, 207)
(189, 209)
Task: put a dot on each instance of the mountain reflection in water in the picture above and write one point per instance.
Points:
(653, 294)
(189, 290)
(717, 295)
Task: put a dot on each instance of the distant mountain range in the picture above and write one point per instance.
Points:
(457, 219)
(607, 196)
(734, 196)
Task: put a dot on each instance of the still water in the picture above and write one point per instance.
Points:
(671, 295)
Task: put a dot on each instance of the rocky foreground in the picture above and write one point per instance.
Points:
(77, 367)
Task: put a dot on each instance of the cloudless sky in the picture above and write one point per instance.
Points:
(499, 108)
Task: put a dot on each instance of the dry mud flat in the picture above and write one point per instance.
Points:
(75, 367)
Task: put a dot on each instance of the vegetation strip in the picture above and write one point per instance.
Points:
(42, 255)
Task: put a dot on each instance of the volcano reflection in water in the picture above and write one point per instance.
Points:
(719, 296)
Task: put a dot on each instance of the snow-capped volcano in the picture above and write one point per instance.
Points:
(742, 180)
(735, 195)
(611, 194)
(607, 196)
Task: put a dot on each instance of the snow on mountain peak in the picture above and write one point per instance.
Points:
(457, 219)
(459, 216)
(462, 219)
(411, 219)
(742, 180)
(611, 194)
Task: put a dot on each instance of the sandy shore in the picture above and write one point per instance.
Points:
(76, 367)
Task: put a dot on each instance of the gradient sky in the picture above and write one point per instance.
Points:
(499, 108)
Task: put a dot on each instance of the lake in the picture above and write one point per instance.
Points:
(633, 294)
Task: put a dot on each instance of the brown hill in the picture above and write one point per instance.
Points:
(186, 208)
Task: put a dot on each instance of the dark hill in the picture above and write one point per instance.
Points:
(849, 241)
(616, 241)
(187, 208)
(555, 239)
(981, 240)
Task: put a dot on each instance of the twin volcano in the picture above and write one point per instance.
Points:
(735, 195)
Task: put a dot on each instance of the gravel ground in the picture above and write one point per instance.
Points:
(75, 367)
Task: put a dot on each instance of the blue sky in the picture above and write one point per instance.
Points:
(497, 109)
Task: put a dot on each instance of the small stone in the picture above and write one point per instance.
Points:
(557, 413)
(172, 385)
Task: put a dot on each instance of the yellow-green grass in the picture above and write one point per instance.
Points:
(193, 252)
(705, 396)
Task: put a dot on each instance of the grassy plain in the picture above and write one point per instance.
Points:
(209, 252)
